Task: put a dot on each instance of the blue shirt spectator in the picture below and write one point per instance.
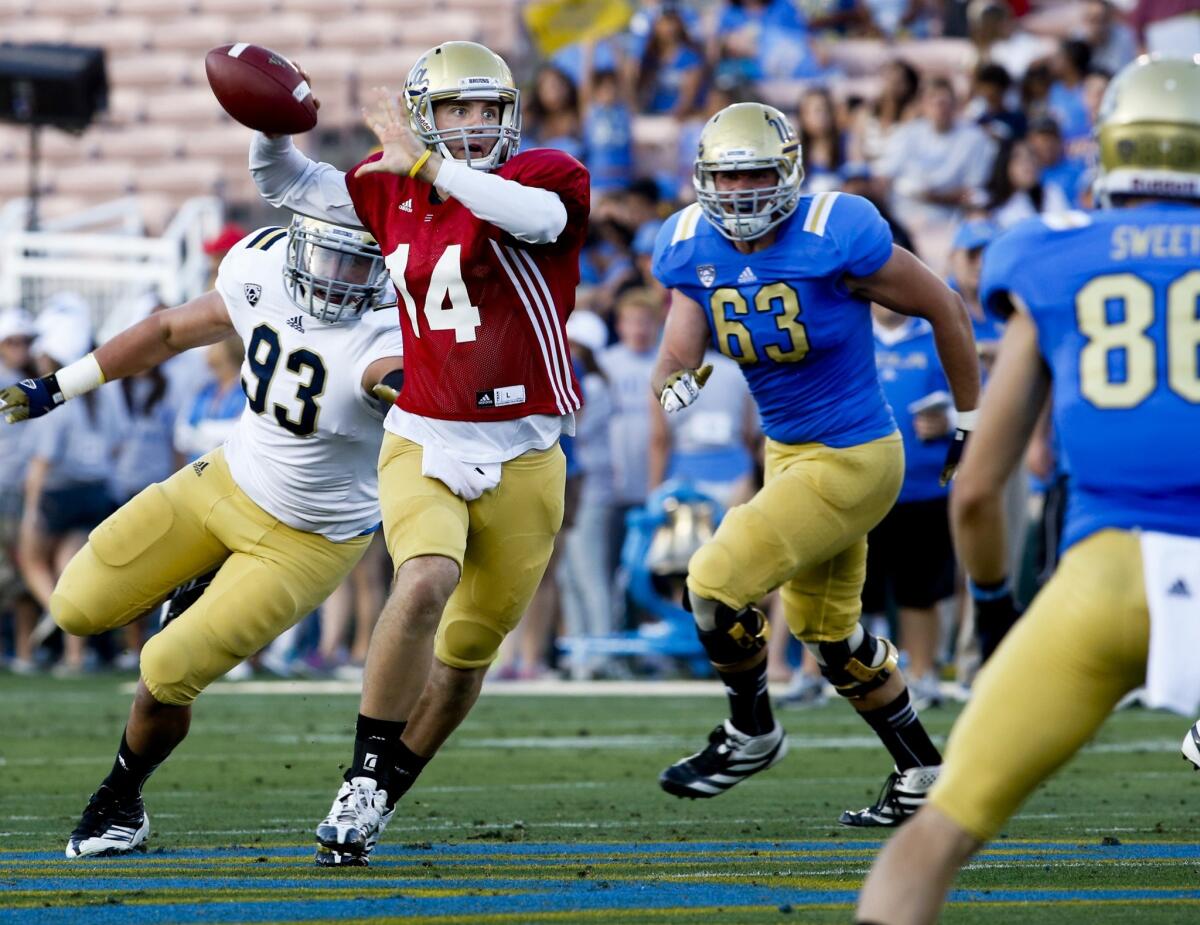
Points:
(919, 394)
(608, 136)
(207, 422)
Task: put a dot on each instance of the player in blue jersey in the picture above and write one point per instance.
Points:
(782, 283)
(1104, 320)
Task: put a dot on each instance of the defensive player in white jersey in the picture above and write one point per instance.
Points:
(282, 511)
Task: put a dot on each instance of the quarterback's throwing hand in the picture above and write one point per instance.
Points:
(683, 387)
(30, 398)
(401, 148)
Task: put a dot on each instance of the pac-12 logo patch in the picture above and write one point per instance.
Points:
(707, 273)
(253, 293)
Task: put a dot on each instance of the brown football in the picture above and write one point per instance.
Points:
(260, 88)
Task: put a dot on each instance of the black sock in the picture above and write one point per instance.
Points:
(375, 742)
(749, 702)
(407, 766)
(129, 772)
(900, 730)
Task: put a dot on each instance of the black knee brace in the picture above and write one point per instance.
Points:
(739, 640)
(854, 672)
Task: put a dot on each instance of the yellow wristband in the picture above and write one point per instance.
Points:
(416, 168)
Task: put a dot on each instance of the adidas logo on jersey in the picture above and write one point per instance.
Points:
(747, 276)
(406, 206)
(484, 400)
(296, 323)
(1179, 589)
(199, 466)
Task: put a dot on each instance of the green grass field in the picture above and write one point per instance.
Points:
(546, 809)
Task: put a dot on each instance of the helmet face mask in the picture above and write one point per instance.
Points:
(332, 273)
(1148, 129)
(464, 71)
(748, 137)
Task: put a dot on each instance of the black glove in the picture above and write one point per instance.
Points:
(995, 615)
(953, 455)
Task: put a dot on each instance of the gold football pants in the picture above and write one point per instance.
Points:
(501, 541)
(1055, 678)
(804, 532)
(270, 576)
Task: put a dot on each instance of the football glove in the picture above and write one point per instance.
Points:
(683, 387)
(30, 398)
(954, 452)
(387, 390)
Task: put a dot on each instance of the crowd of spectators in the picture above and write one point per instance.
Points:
(950, 154)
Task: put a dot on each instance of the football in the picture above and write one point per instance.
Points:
(261, 88)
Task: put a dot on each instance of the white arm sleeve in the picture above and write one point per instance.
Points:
(528, 213)
(285, 177)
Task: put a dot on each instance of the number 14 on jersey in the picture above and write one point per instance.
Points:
(446, 285)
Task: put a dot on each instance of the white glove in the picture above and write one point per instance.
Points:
(683, 387)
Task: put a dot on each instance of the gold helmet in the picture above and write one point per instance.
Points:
(748, 136)
(331, 272)
(464, 71)
(1148, 128)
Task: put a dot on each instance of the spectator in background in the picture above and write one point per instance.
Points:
(821, 141)
(999, 38)
(1113, 43)
(757, 39)
(988, 106)
(670, 75)
(966, 260)
(895, 105)
(628, 365)
(17, 330)
(643, 254)
(1017, 189)
(552, 115)
(206, 424)
(858, 181)
(1170, 28)
(937, 163)
(353, 610)
(910, 557)
(709, 444)
(1067, 173)
(66, 483)
(607, 126)
(1069, 67)
(587, 568)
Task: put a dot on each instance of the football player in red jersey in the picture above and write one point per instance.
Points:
(483, 247)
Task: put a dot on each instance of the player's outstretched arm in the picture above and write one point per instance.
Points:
(204, 320)
(287, 178)
(678, 376)
(904, 284)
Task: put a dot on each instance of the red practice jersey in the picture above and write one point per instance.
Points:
(483, 314)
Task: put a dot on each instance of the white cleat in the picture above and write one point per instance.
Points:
(903, 793)
(731, 757)
(1191, 746)
(356, 820)
(109, 826)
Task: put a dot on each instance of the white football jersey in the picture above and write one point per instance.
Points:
(307, 446)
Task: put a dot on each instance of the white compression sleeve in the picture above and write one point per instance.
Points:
(529, 213)
(287, 178)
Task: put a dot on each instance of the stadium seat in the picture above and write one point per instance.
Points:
(126, 105)
(156, 10)
(856, 56)
(73, 9)
(448, 24)
(240, 8)
(361, 33)
(153, 70)
(938, 57)
(98, 179)
(289, 35)
(194, 34)
(184, 107)
(120, 36)
(139, 143)
(36, 29)
(14, 179)
(328, 10)
(183, 177)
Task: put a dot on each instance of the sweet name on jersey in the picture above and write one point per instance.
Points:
(306, 447)
(785, 315)
(1114, 299)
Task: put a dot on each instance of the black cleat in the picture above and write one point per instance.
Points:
(731, 757)
(902, 795)
(110, 826)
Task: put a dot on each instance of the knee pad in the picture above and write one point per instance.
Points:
(739, 639)
(467, 644)
(177, 666)
(70, 618)
(857, 670)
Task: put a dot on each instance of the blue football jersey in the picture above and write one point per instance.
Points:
(1115, 295)
(785, 315)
